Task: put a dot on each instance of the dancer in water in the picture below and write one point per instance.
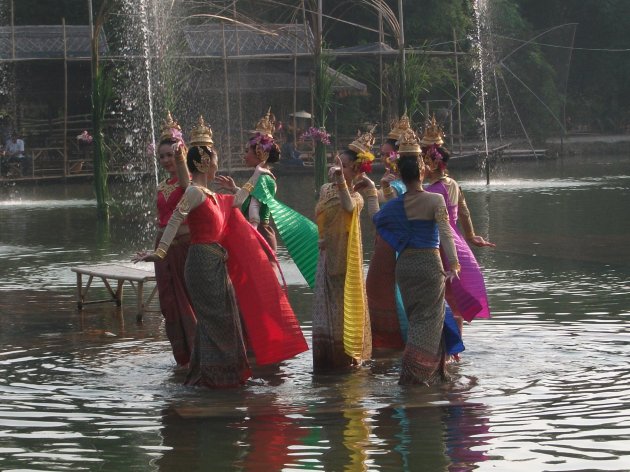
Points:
(179, 316)
(466, 295)
(222, 243)
(259, 203)
(341, 321)
(415, 224)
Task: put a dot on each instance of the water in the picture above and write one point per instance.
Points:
(543, 385)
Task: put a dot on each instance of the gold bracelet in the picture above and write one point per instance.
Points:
(371, 193)
(248, 187)
(161, 253)
(389, 190)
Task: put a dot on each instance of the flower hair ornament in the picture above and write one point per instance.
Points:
(262, 137)
(434, 159)
(391, 162)
(263, 144)
(362, 145)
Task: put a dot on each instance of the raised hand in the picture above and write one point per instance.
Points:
(363, 183)
(387, 178)
(225, 182)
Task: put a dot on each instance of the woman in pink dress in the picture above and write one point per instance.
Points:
(467, 295)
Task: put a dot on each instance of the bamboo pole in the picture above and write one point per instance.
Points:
(381, 40)
(238, 83)
(459, 97)
(12, 30)
(227, 100)
(65, 99)
(403, 60)
(295, 137)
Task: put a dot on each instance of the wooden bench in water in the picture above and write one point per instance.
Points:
(118, 273)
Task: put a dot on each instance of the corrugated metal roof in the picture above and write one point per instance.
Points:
(47, 42)
(240, 40)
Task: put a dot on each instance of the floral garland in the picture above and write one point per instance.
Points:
(364, 161)
(391, 162)
(85, 138)
(316, 134)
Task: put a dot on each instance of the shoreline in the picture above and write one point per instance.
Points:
(471, 157)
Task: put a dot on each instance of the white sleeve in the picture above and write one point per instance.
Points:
(192, 198)
(254, 212)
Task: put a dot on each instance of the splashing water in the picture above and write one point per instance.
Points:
(480, 8)
(147, 67)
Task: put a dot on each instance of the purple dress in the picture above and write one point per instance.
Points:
(466, 295)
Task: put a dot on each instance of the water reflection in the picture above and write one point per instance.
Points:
(543, 385)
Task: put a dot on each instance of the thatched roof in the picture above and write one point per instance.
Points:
(47, 42)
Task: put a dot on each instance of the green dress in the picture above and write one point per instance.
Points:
(297, 231)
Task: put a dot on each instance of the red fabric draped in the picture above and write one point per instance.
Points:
(272, 328)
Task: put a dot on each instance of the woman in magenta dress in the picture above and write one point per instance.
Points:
(467, 295)
(179, 317)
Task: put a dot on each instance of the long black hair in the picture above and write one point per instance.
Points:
(409, 167)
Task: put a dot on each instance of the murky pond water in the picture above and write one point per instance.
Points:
(543, 385)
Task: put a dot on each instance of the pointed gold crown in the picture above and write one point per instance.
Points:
(433, 133)
(364, 142)
(201, 134)
(399, 127)
(409, 143)
(168, 126)
(267, 124)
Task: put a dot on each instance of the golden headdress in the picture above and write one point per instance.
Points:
(409, 143)
(399, 127)
(170, 128)
(433, 134)
(266, 125)
(363, 147)
(201, 134)
(364, 142)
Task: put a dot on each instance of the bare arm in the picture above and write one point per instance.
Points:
(467, 224)
(446, 236)
(192, 198)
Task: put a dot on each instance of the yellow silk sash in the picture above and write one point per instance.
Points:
(354, 300)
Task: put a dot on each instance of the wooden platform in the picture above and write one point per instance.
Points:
(120, 274)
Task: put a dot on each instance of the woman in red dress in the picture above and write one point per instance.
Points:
(227, 265)
(179, 317)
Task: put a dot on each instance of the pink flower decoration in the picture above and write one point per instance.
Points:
(85, 138)
(316, 134)
(435, 155)
(262, 140)
(177, 135)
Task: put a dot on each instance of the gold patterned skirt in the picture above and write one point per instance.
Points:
(218, 357)
(419, 273)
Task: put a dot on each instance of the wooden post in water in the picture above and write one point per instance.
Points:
(487, 166)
